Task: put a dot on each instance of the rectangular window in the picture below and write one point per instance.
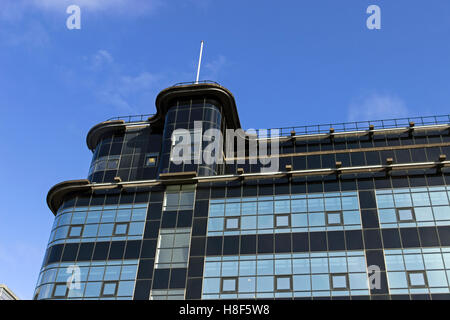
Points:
(334, 218)
(173, 248)
(60, 290)
(339, 281)
(283, 283)
(406, 215)
(229, 285)
(151, 160)
(232, 223)
(75, 231)
(179, 198)
(417, 279)
(113, 162)
(170, 294)
(121, 228)
(109, 289)
(282, 220)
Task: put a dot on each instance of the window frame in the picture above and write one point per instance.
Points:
(413, 214)
(102, 293)
(184, 246)
(238, 218)
(236, 285)
(347, 282)
(180, 189)
(75, 226)
(275, 224)
(121, 223)
(275, 285)
(60, 284)
(111, 159)
(412, 286)
(151, 155)
(341, 217)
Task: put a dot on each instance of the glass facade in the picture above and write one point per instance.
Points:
(144, 228)
(284, 214)
(90, 280)
(414, 207)
(99, 223)
(286, 275)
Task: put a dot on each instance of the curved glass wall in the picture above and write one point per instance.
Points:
(106, 157)
(196, 117)
(130, 155)
(79, 223)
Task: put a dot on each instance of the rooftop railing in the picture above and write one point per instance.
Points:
(325, 128)
(354, 126)
(194, 82)
(132, 118)
(144, 117)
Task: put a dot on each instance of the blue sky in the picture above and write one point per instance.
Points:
(287, 63)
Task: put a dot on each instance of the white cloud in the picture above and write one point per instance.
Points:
(143, 81)
(121, 90)
(32, 34)
(137, 6)
(126, 92)
(100, 59)
(13, 10)
(213, 68)
(377, 106)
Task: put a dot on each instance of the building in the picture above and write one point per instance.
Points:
(352, 210)
(6, 293)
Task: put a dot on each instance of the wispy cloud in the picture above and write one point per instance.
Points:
(126, 92)
(13, 10)
(31, 34)
(377, 106)
(100, 59)
(137, 6)
(215, 67)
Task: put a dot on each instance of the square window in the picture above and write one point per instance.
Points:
(121, 228)
(109, 289)
(163, 257)
(232, 223)
(75, 231)
(171, 201)
(334, 218)
(60, 290)
(282, 221)
(283, 283)
(228, 285)
(151, 160)
(405, 214)
(417, 279)
(177, 198)
(113, 164)
(339, 281)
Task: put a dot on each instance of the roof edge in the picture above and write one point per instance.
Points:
(55, 196)
(94, 135)
(214, 90)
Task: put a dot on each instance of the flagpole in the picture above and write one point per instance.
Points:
(199, 61)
